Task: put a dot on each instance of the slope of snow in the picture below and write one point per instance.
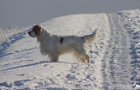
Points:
(22, 66)
(114, 56)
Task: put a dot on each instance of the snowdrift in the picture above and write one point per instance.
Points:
(114, 55)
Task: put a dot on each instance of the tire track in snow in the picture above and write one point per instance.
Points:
(116, 61)
(131, 23)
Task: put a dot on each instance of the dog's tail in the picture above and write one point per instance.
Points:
(90, 38)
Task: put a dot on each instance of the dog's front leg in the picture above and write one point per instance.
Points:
(54, 57)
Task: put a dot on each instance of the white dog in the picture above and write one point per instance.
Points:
(54, 46)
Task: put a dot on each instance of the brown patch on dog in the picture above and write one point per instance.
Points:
(61, 40)
(37, 29)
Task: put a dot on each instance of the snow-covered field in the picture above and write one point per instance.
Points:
(115, 55)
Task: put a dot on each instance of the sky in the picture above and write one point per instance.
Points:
(28, 12)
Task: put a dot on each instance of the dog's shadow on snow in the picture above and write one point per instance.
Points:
(37, 63)
(28, 65)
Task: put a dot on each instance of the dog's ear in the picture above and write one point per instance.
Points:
(37, 29)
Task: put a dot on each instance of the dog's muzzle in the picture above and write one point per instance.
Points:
(31, 34)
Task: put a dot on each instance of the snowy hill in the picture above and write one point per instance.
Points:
(115, 55)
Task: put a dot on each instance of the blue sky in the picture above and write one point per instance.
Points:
(27, 12)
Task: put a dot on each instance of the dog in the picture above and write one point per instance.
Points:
(54, 46)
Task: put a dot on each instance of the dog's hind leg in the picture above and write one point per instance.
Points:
(84, 58)
(87, 58)
(83, 55)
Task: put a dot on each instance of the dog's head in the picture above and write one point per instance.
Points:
(36, 31)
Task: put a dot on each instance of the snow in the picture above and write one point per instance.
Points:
(115, 61)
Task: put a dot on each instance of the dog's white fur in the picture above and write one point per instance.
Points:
(54, 46)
